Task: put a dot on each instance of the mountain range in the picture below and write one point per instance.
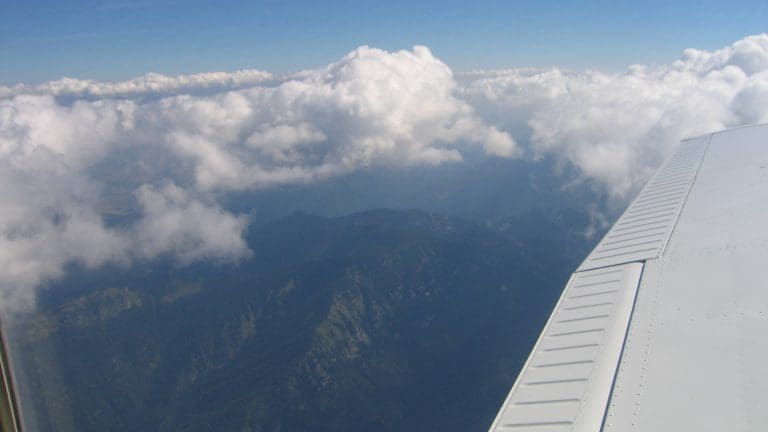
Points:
(382, 320)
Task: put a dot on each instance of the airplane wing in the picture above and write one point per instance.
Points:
(663, 327)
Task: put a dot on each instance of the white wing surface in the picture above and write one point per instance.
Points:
(663, 327)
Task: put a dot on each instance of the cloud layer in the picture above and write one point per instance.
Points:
(69, 148)
(151, 85)
(617, 128)
(176, 145)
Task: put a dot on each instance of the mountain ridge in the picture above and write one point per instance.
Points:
(383, 319)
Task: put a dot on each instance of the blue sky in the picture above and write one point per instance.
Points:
(112, 40)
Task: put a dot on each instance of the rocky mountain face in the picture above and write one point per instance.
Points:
(379, 321)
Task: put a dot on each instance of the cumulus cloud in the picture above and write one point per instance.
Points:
(180, 144)
(616, 128)
(178, 223)
(370, 108)
(67, 145)
(48, 216)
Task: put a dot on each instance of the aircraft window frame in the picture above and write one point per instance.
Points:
(9, 412)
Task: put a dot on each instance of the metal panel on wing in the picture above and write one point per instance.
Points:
(644, 228)
(565, 384)
(690, 352)
(696, 355)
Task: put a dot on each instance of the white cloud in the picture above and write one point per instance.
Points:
(50, 201)
(193, 138)
(151, 84)
(617, 128)
(282, 143)
(61, 142)
(370, 108)
(48, 215)
(176, 222)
